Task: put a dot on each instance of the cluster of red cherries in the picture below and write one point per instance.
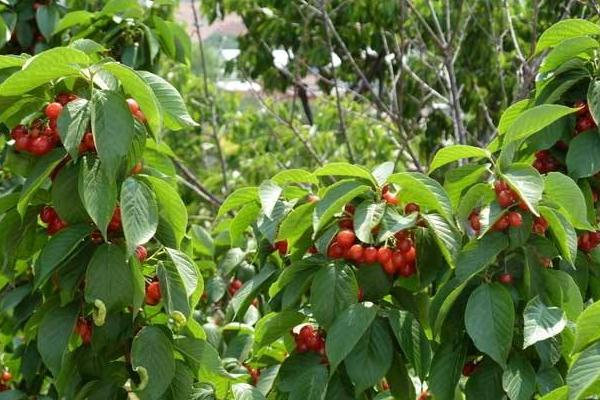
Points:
(234, 286)
(4, 379)
(545, 162)
(49, 216)
(585, 121)
(587, 241)
(310, 339)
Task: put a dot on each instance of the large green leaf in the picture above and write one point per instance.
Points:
(583, 156)
(541, 322)
(56, 326)
(187, 270)
(136, 87)
(509, 115)
(112, 126)
(457, 152)
(239, 198)
(47, 17)
(489, 320)
(275, 325)
(43, 68)
(346, 170)
(108, 278)
(288, 176)
(563, 191)
(565, 29)
(303, 377)
(446, 368)
(243, 391)
(566, 50)
(37, 176)
(334, 199)
(518, 379)
(172, 289)
(139, 213)
(486, 382)
(527, 182)
(153, 351)
(347, 330)
(172, 213)
(371, 358)
(583, 378)
(57, 250)
(268, 193)
(72, 124)
(412, 339)
(426, 192)
(296, 223)
(479, 254)
(562, 292)
(587, 331)
(534, 119)
(333, 289)
(97, 192)
(367, 216)
(593, 99)
(68, 207)
(446, 236)
(563, 232)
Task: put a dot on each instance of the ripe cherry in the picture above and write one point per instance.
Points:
(234, 286)
(6, 376)
(411, 208)
(389, 267)
(53, 110)
(502, 224)
(40, 145)
(583, 107)
(349, 208)
(312, 198)
(345, 238)
(47, 214)
(152, 293)
(424, 395)
(546, 262)
(410, 255)
(505, 278)
(282, 247)
(404, 245)
(384, 255)
(370, 255)
(335, 251)
(346, 223)
(500, 186)
(584, 124)
(515, 219)
(55, 226)
(133, 106)
(313, 249)
(407, 270)
(540, 225)
(84, 329)
(137, 168)
(87, 143)
(474, 221)
(141, 253)
(115, 223)
(139, 115)
(18, 131)
(390, 198)
(469, 368)
(398, 259)
(356, 253)
(505, 199)
(96, 237)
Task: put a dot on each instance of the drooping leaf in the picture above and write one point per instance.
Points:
(541, 322)
(450, 154)
(333, 289)
(139, 213)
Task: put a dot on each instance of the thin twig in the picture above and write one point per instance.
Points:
(190, 180)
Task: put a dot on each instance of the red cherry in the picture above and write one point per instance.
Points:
(345, 238)
(53, 110)
(505, 199)
(153, 293)
(583, 107)
(385, 189)
(407, 270)
(87, 143)
(302, 348)
(390, 199)
(313, 249)
(55, 226)
(411, 208)
(404, 245)
(584, 124)
(6, 376)
(47, 214)
(346, 223)
(139, 115)
(515, 219)
(356, 253)
(96, 237)
(502, 224)
(313, 343)
(349, 208)
(410, 255)
(469, 368)
(64, 98)
(137, 168)
(115, 223)
(398, 260)
(141, 253)
(389, 267)
(18, 131)
(500, 186)
(133, 106)
(361, 294)
(40, 145)
(384, 255)
(370, 255)
(312, 198)
(505, 278)
(401, 235)
(84, 329)
(282, 247)
(474, 221)
(335, 251)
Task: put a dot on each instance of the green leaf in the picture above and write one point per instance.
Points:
(563, 292)
(583, 378)
(509, 115)
(479, 254)
(371, 358)
(152, 350)
(446, 368)
(541, 322)
(346, 170)
(108, 278)
(243, 219)
(426, 192)
(563, 191)
(458, 181)
(98, 193)
(137, 88)
(593, 99)
(172, 213)
(268, 193)
(446, 236)
(72, 124)
(412, 340)
(366, 217)
(347, 330)
(527, 182)
(124, 8)
(172, 289)
(43, 68)
(57, 250)
(296, 223)
(37, 176)
(244, 296)
(534, 119)
(563, 232)
(175, 113)
(243, 391)
(139, 213)
(457, 152)
(567, 50)
(47, 17)
(486, 382)
(518, 379)
(334, 199)
(181, 386)
(583, 156)
(303, 377)
(74, 18)
(239, 198)
(56, 326)
(333, 290)
(479, 195)
(275, 325)
(288, 176)
(187, 270)
(112, 126)
(392, 222)
(69, 208)
(489, 320)
(565, 29)
(382, 172)
(587, 331)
